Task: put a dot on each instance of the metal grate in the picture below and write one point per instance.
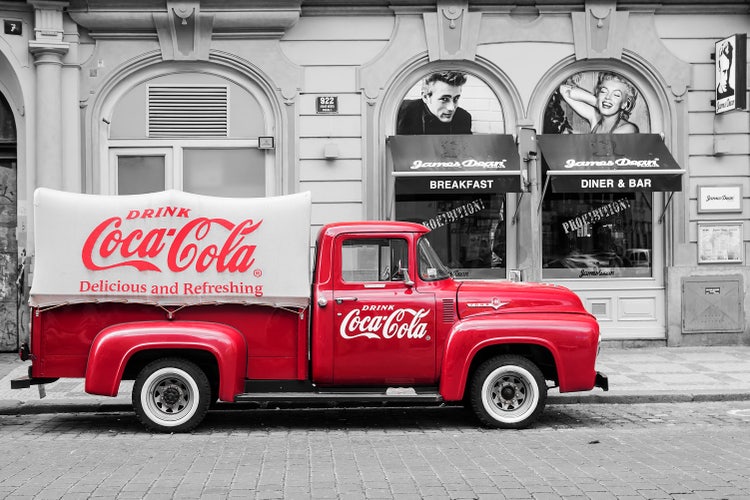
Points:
(449, 311)
(188, 110)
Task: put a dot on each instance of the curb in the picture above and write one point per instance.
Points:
(648, 397)
(17, 407)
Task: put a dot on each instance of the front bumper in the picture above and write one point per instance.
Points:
(602, 381)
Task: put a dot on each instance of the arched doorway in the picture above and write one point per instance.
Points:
(9, 289)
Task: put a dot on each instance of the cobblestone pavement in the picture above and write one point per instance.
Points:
(575, 451)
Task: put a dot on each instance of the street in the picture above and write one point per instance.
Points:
(660, 450)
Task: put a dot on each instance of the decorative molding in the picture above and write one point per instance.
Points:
(184, 31)
(237, 19)
(599, 31)
(452, 31)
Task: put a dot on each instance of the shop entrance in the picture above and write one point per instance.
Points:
(9, 271)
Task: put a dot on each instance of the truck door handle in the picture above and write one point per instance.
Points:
(339, 300)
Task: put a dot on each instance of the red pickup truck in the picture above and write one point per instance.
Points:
(201, 299)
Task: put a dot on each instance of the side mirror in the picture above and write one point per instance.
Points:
(405, 273)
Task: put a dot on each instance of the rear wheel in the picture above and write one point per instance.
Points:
(171, 395)
(508, 392)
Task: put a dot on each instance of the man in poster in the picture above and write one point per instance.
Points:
(724, 59)
(437, 112)
(731, 75)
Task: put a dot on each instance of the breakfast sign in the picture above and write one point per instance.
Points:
(455, 164)
(609, 162)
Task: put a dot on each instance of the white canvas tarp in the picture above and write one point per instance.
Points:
(171, 248)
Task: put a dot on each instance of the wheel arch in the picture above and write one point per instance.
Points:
(538, 354)
(473, 341)
(120, 351)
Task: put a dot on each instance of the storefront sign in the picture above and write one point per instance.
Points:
(443, 185)
(445, 154)
(455, 164)
(12, 27)
(731, 73)
(720, 243)
(609, 162)
(719, 199)
(326, 104)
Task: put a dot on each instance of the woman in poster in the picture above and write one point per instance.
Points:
(608, 109)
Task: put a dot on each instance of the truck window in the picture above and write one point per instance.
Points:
(374, 259)
(431, 268)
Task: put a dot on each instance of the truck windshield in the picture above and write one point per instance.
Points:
(430, 266)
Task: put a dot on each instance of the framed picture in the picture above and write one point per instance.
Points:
(720, 243)
(730, 60)
(719, 199)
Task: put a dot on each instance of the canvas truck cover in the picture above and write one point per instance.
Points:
(171, 248)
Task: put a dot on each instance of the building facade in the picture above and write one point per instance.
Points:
(595, 156)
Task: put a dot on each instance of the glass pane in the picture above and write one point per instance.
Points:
(467, 231)
(140, 174)
(374, 260)
(239, 173)
(597, 235)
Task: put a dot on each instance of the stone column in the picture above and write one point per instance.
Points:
(48, 49)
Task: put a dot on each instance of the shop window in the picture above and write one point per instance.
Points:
(465, 207)
(597, 235)
(467, 231)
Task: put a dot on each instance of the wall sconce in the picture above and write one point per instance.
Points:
(330, 151)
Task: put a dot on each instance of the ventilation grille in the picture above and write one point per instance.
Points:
(449, 311)
(187, 110)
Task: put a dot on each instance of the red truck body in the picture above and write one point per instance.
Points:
(385, 322)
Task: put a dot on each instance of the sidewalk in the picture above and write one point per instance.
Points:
(637, 375)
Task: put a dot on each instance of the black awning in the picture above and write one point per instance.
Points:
(446, 164)
(609, 162)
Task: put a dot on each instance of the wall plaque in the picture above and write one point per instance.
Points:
(719, 199)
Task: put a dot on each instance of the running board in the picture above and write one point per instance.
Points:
(391, 395)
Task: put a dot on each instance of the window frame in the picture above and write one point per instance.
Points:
(172, 150)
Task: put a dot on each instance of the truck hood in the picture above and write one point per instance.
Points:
(483, 297)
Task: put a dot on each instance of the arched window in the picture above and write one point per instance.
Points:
(465, 209)
(597, 234)
(189, 131)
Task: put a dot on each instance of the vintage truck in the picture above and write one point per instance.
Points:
(201, 299)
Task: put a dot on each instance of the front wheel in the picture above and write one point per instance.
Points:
(171, 395)
(508, 392)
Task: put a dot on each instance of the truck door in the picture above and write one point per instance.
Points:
(384, 327)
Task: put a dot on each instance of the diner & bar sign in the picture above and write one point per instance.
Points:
(609, 162)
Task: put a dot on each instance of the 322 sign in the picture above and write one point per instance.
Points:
(327, 104)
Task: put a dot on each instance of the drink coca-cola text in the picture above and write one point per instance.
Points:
(201, 244)
(399, 324)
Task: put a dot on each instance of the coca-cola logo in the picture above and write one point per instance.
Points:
(200, 244)
(395, 324)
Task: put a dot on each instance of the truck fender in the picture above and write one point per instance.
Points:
(114, 346)
(551, 331)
